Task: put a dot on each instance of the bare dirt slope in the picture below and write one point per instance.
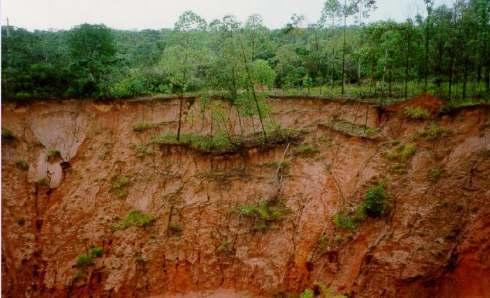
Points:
(433, 242)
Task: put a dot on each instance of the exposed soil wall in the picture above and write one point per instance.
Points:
(433, 241)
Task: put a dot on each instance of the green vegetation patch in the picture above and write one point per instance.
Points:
(87, 259)
(353, 129)
(306, 150)
(225, 247)
(345, 221)
(134, 218)
(119, 186)
(175, 229)
(53, 154)
(42, 182)
(308, 293)
(374, 204)
(416, 113)
(7, 134)
(320, 290)
(221, 143)
(402, 153)
(142, 150)
(264, 213)
(142, 126)
(433, 132)
(22, 165)
(435, 174)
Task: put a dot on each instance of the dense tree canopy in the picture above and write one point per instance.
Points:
(446, 53)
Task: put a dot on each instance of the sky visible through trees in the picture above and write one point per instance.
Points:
(155, 14)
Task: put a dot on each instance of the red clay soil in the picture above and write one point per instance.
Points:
(429, 102)
(433, 241)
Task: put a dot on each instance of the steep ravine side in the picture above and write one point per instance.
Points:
(433, 242)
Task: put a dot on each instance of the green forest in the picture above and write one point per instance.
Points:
(446, 53)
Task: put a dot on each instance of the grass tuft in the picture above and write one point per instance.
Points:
(264, 213)
(7, 134)
(225, 247)
(416, 113)
(119, 186)
(306, 150)
(402, 152)
(435, 174)
(142, 126)
(22, 165)
(344, 221)
(142, 150)
(87, 259)
(42, 182)
(134, 218)
(308, 293)
(53, 154)
(433, 132)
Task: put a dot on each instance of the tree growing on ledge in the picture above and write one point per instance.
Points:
(182, 60)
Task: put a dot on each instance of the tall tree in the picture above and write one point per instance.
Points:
(408, 34)
(428, 6)
(182, 61)
(92, 50)
(331, 12)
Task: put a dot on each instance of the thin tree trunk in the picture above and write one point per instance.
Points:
(389, 82)
(426, 65)
(251, 88)
(181, 100)
(343, 48)
(333, 67)
(407, 65)
(450, 87)
(465, 78)
(239, 121)
(488, 80)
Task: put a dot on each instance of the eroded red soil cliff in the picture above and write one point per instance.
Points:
(433, 242)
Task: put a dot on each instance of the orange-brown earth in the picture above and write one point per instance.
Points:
(433, 242)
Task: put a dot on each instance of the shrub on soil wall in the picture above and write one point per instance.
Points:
(85, 260)
(373, 205)
(7, 134)
(403, 152)
(53, 154)
(264, 213)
